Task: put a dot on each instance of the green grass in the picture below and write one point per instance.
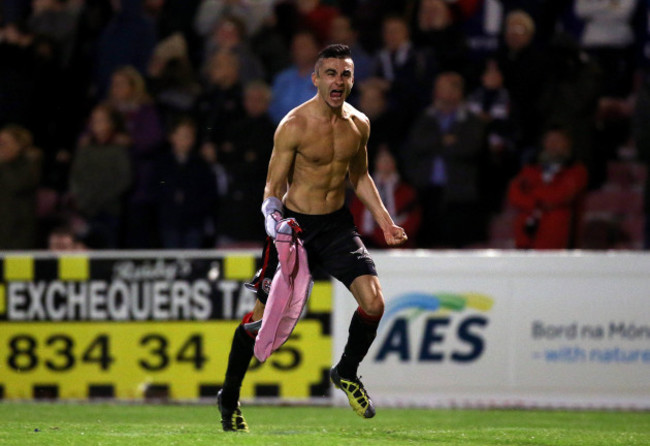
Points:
(162, 425)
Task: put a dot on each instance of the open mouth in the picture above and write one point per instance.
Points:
(336, 94)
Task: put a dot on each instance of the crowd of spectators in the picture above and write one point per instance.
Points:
(147, 124)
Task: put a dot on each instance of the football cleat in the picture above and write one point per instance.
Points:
(232, 420)
(356, 393)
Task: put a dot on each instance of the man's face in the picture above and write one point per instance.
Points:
(256, 101)
(341, 30)
(446, 95)
(556, 146)
(372, 102)
(395, 33)
(334, 80)
(304, 50)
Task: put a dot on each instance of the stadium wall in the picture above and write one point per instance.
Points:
(508, 329)
(461, 329)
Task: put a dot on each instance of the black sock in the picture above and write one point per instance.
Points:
(241, 353)
(363, 329)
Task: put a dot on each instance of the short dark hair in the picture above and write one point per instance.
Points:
(333, 51)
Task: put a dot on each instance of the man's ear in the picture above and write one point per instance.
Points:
(314, 77)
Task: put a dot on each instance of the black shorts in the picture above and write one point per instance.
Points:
(332, 244)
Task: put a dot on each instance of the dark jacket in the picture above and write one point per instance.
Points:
(185, 192)
(99, 177)
(18, 182)
(462, 158)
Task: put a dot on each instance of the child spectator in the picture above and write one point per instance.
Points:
(185, 191)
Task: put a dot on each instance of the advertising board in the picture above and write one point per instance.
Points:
(144, 325)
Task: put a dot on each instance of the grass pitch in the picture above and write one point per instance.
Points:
(162, 425)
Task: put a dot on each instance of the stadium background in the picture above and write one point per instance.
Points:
(172, 348)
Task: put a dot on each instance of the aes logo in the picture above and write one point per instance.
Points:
(434, 327)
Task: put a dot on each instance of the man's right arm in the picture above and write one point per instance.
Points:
(285, 143)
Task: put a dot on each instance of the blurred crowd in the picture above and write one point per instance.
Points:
(146, 124)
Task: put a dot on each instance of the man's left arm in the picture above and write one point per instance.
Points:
(365, 189)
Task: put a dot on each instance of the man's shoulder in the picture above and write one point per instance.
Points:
(295, 120)
(356, 115)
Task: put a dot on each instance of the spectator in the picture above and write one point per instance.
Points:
(482, 29)
(252, 13)
(389, 128)
(78, 85)
(101, 175)
(547, 195)
(400, 200)
(293, 85)
(402, 66)
(342, 31)
(608, 37)
(172, 80)
(435, 30)
(270, 45)
(247, 155)
(29, 73)
(442, 159)
(175, 17)
(129, 96)
(523, 69)
(56, 19)
(220, 104)
(18, 181)
(128, 39)
(229, 35)
(317, 17)
(248, 150)
(185, 191)
(569, 97)
(18, 75)
(369, 16)
(491, 102)
(62, 239)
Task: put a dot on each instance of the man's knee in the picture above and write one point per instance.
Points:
(367, 292)
(374, 307)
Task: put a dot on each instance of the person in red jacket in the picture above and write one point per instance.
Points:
(398, 196)
(547, 195)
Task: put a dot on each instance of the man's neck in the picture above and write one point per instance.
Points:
(328, 112)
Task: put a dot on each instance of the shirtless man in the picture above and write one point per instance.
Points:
(317, 146)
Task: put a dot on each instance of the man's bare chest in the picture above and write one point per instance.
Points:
(330, 144)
